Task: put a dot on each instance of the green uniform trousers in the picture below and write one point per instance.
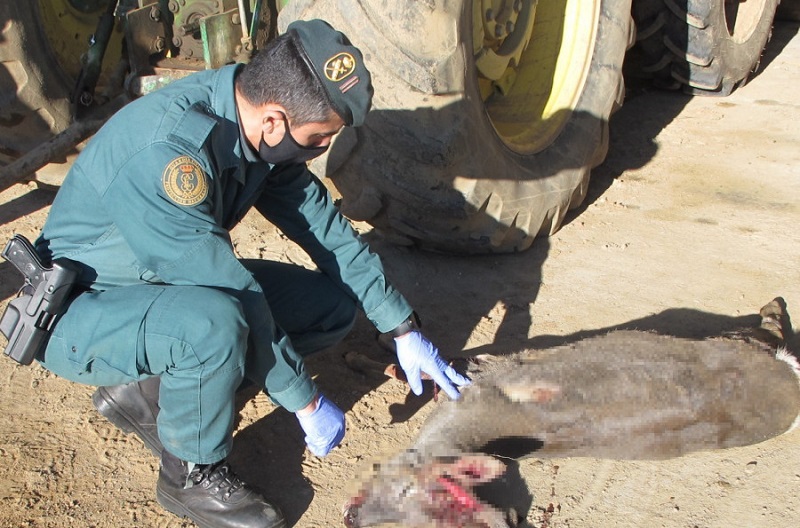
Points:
(196, 339)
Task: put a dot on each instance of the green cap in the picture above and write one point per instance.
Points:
(338, 65)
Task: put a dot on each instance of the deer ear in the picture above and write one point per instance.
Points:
(536, 391)
(474, 468)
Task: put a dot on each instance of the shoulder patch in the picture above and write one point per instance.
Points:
(185, 182)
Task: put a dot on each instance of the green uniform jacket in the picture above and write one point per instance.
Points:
(152, 197)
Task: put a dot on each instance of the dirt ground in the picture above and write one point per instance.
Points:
(691, 225)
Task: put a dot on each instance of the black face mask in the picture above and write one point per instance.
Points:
(288, 150)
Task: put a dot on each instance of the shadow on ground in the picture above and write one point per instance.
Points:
(454, 294)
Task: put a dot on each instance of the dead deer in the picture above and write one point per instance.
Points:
(624, 395)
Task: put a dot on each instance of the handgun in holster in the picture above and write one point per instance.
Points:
(29, 318)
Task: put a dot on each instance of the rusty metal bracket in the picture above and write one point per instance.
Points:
(146, 35)
(221, 38)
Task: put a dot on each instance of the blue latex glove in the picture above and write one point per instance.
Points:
(416, 354)
(324, 427)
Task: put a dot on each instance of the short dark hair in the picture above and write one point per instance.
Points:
(278, 74)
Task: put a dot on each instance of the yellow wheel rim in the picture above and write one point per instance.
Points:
(68, 26)
(532, 60)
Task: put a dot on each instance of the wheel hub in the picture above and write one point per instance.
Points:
(532, 60)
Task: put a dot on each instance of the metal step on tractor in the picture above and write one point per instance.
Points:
(488, 115)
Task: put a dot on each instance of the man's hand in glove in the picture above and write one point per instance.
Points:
(324, 426)
(416, 354)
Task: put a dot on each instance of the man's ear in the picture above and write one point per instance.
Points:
(273, 126)
(273, 121)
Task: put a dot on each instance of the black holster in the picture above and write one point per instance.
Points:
(29, 318)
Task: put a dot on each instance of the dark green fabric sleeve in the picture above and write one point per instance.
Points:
(302, 208)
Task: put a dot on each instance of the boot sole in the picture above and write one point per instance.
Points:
(106, 406)
(176, 508)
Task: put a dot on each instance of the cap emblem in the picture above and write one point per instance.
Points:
(339, 66)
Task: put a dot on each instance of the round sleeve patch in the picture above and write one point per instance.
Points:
(185, 182)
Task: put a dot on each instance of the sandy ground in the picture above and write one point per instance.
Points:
(690, 226)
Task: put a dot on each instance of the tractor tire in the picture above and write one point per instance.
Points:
(41, 43)
(34, 92)
(470, 147)
(705, 47)
(788, 10)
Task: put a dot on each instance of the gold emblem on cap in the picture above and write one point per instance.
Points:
(185, 182)
(339, 66)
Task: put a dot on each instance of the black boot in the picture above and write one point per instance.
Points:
(132, 407)
(213, 496)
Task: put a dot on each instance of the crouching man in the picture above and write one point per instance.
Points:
(167, 320)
